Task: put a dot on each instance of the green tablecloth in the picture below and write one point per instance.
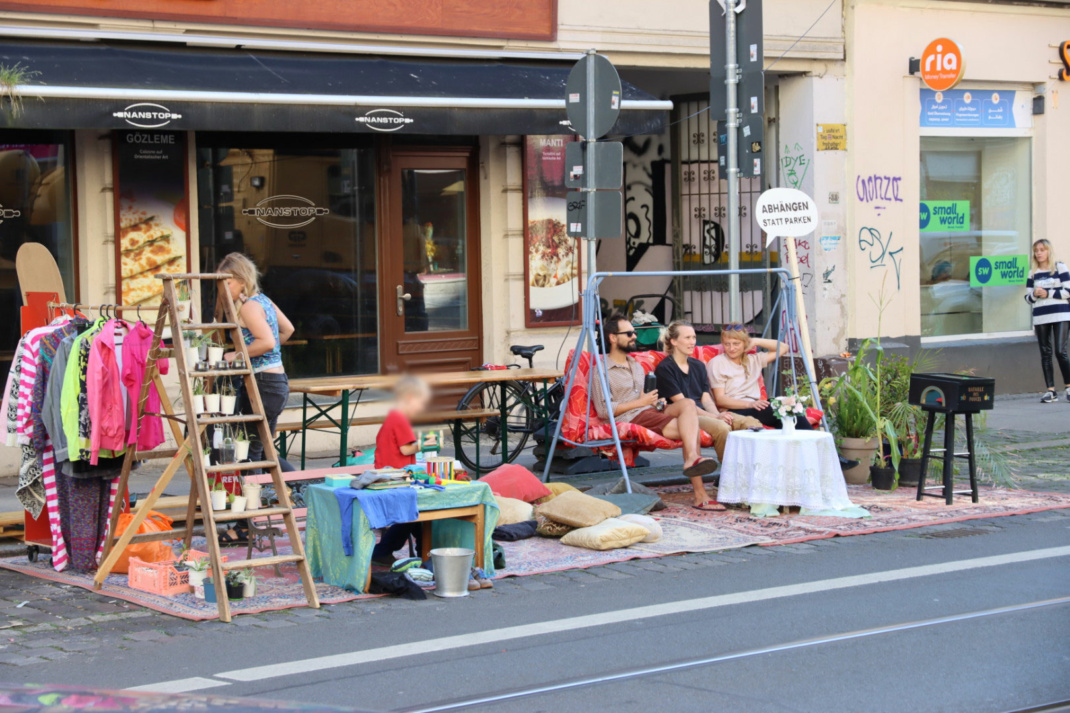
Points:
(323, 531)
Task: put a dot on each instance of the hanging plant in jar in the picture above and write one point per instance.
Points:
(198, 396)
(206, 457)
(184, 305)
(251, 491)
(241, 444)
(228, 398)
(193, 353)
(215, 352)
(219, 497)
(226, 450)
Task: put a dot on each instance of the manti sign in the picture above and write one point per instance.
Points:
(531, 19)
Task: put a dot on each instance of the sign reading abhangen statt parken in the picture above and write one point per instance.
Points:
(999, 271)
(941, 216)
(785, 213)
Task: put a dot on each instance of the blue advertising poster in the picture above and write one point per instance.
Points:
(971, 109)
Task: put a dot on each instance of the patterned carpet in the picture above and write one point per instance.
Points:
(685, 530)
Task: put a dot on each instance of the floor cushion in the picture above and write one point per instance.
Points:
(545, 527)
(515, 481)
(513, 511)
(648, 522)
(609, 534)
(578, 509)
(555, 490)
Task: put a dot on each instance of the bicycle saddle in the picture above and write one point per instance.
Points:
(526, 352)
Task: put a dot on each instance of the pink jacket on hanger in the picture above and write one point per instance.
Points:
(148, 433)
(104, 389)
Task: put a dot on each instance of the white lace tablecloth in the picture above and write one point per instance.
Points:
(775, 468)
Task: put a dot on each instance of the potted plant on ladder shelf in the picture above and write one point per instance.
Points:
(184, 305)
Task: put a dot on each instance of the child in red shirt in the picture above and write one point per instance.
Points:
(396, 447)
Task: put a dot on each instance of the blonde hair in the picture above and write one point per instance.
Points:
(1052, 262)
(411, 386)
(742, 335)
(672, 333)
(242, 269)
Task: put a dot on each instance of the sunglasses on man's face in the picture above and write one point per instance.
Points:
(629, 333)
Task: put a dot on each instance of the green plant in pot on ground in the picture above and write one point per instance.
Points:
(849, 400)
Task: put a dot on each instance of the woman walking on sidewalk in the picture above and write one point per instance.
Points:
(1048, 289)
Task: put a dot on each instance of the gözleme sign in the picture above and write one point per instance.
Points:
(939, 216)
(998, 271)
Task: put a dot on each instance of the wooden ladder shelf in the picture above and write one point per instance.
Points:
(191, 444)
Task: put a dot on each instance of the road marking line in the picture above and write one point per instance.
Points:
(479, 638)
(776, 648)
(182, 685)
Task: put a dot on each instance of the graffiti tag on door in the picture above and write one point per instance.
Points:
(795, 165)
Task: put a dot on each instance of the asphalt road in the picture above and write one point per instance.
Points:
(967, 617)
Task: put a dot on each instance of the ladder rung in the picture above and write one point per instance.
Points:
(261, 562)
(242, 418)
(153, 455)
(251, 465)
(168, 276)
(221, 372)
(209, 325)
(230, 516)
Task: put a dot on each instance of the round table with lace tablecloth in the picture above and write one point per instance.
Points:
(771, 468)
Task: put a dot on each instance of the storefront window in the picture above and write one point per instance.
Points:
(976, 201)
(35, 207)
(306, 215)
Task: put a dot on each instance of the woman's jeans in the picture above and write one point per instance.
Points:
(274, 393)
(1052, 340)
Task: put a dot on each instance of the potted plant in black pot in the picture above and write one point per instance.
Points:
(235, 582)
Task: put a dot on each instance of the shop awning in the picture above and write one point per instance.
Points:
(101, 86)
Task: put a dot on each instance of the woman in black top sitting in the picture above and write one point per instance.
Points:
(681, 376)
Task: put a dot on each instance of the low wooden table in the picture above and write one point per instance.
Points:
(348, 391)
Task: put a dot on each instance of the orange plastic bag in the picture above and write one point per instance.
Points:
(144, 551)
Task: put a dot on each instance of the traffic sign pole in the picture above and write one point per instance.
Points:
(735, 310)
(590, 170)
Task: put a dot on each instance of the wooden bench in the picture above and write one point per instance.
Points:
(430, 418)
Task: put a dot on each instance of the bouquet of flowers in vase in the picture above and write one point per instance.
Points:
(788, 408)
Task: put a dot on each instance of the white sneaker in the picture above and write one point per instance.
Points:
(1049, 397)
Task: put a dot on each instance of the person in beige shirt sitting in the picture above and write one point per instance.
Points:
(678, 421)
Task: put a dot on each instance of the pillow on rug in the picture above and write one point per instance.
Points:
(515, 481)
(578, 509)
(513, 511)
(555, 490)
(609, 534)
(631, 503)
(648, 522)
(621, 487)
(548, 528)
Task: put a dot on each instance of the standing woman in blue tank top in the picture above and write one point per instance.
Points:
(265, 329)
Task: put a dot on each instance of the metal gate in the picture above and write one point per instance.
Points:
(700, 204)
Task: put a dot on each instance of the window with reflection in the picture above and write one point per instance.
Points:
(305, 213)
(35, 207)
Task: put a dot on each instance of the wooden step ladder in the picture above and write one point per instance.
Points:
(192, 442)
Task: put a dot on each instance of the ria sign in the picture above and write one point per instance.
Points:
(285, 212)
(147, 115)
(941, 65)
(386, 120)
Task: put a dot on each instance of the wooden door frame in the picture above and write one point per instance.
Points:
(392, 330)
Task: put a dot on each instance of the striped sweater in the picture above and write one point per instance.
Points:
(1054, 307)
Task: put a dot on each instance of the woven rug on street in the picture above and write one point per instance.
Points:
(896, 510)
(272, 593)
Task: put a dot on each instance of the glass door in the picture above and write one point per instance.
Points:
(431, 285)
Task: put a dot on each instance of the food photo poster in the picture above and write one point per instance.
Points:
(552, 268)
(152, 209)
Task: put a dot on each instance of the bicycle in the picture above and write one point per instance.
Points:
(486, 444)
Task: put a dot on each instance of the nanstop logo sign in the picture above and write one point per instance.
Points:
(941, 65)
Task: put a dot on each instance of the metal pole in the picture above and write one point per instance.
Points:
(735, 308)
(589, 171)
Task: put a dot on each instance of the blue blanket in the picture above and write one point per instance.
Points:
(383, 508)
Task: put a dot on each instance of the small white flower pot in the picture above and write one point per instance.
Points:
(241, 451)
(193, 356)
(207, 457)
(198, 403)
(215, 354)
(251, 491)
(227, 404)
(211, 403)
(196, 577)
(249, 588)
(219, 499)
(238, 504)
(185, 309)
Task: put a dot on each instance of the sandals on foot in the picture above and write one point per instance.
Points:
(710, 506)
(235, 536)
(703, 466)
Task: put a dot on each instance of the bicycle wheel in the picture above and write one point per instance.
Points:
(482, 440)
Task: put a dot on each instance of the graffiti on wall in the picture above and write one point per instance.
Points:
(794, 165)
(878, 191)
(646, 199)
(878, 250)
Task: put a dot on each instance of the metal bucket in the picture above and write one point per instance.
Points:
(453, 568)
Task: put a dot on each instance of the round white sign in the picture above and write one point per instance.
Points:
(785, 212)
